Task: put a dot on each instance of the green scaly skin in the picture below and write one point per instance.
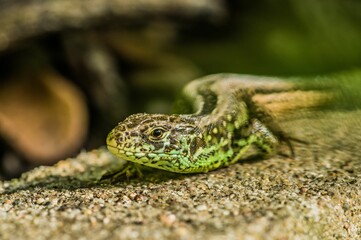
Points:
(223, 129)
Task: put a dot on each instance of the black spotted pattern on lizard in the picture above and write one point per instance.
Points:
(226, 122)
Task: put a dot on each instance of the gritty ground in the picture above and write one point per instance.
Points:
(315, 195)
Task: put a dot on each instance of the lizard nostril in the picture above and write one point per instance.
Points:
(110, 137)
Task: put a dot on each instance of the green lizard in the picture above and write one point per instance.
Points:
(233, 116)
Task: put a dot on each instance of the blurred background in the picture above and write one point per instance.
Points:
(70, 70)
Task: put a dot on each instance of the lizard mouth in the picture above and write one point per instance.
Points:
(111, 147)
(111, 144)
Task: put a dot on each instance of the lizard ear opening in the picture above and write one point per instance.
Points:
(196, 144)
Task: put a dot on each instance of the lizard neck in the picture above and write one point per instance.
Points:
(225, 125)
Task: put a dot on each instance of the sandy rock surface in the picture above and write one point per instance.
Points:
(316, 195)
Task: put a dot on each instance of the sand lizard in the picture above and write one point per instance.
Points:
(228, 122)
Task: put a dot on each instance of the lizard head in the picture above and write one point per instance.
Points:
(166, 142)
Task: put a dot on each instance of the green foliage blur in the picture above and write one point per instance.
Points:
(289, 37)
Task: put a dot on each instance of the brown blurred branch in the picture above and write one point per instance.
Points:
(19, 19)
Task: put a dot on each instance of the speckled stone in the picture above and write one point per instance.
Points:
(316, 195)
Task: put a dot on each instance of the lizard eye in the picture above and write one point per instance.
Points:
(157, 134)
